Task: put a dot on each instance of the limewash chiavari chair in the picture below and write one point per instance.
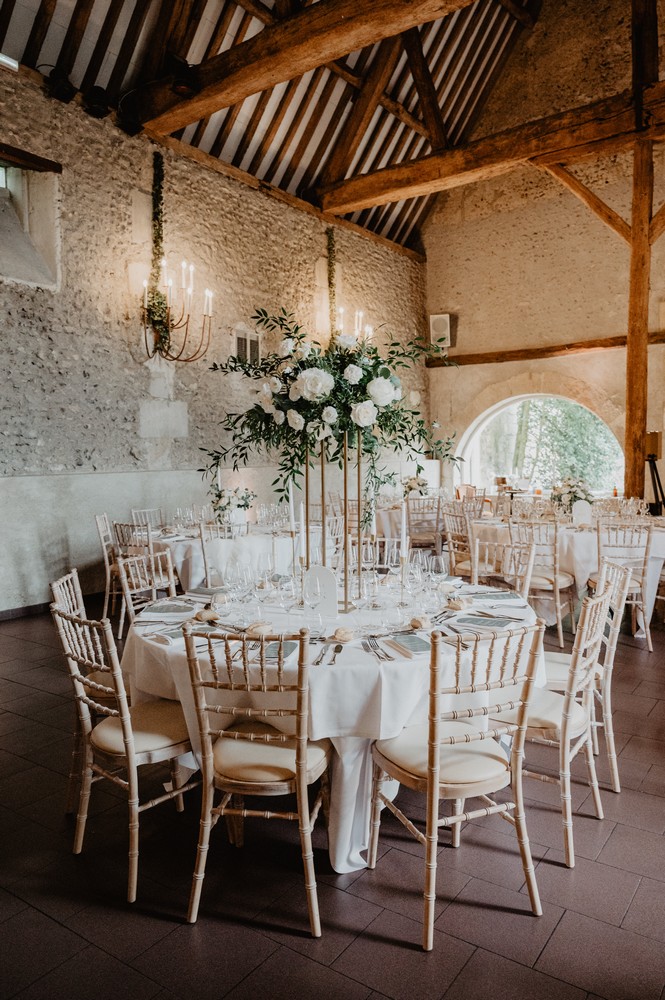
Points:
(251, 756)
(112, 588)
(548, 581)
(557, 665)
(142, 577)
(503, 562)
(627, 543)
(423, 516)
(210, 532)
(68, 597)
(126, 738)
(457, 529)
(564, 721)
(151, 516)
(451, 758)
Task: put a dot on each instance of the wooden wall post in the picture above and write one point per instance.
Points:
(637, 344)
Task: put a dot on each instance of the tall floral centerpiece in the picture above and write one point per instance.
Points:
(225, 501)
(340, 401)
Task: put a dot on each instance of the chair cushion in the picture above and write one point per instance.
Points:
(557, 666)
(635, 583)
(542, 578)
(463, 567)
(545, 711)
(156, 726)
(241, 760)
(460, 764)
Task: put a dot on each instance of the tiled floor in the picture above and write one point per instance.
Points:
(66, 931)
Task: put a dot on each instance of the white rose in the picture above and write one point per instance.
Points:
(315, 384)
(296, 422)
(303, 350)
(294, 392)
(286, 347)
(364, 414)
(278, 416)
(311, 426)
(275, 384)
(346, 341)
(329, 415)
(381, 391)
(352, 374)
(325, 432)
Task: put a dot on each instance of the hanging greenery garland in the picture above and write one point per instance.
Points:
(157, 308)
(332, 288)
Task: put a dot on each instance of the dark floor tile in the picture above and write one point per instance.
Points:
(11, 764)
(30, 737)
(612, 962)
(126, 930)
(92, 973)
(196, 960)
(388, 957)
(21, 789)
(397, 883)
(343, 917)
(26, 847)
(635, 704)
(633, 725)
(545, 827)
(635, 851)
(653, 782)
(30, 946)
(646, 914)
(55, 756)
(72, 884)
(500, 920)
(490, 853)
(10, 905)
(644, 749)
(486, 974)
(631, 772)
(33, 704)
(631, 808)
(651, 689)
(590, 888)
(284, 976)
(56, 680)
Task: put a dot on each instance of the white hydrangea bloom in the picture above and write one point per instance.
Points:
(296, 422)
(315, 384)
(286, 347)
(381, 391)
(329, 415)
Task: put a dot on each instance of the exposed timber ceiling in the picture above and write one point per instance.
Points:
(300, 94)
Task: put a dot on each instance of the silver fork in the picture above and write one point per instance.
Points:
(368, 649)
(379, 649)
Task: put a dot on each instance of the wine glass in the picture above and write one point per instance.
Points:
(312, 596)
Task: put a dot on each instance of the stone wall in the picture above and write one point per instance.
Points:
(88, 423)
(520, 262)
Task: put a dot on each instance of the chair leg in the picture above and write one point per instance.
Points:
(458, 806)
(524, 845)
(608, 725)
(122, 618)
(107, 592)
(375, 820)
(205, 826)
(307, 851)
(593, 779)
(566, 805)
(74, 779)
(132, 875)
(84, 799)
(559, 622)
(176, 782)
(594, 726)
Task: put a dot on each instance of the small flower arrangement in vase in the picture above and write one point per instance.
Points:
(415, 486)
(570, 490)
(225, 502)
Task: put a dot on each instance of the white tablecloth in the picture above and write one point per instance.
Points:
(353, 702)
(578, 554)
(187, 553)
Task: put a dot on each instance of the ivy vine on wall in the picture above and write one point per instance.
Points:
(157, 307)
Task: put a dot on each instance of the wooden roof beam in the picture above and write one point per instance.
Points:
(539, 353)
(521, 14)
(316, 35)
(362, 111)
(590, 199)
(564, 137)
(422, 77)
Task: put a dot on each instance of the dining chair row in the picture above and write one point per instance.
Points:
(482, 710)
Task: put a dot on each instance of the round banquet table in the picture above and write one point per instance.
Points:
(353, 702)
(187, 552)
(578, 555)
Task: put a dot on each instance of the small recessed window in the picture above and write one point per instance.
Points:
(248, 346)
(29, 225)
